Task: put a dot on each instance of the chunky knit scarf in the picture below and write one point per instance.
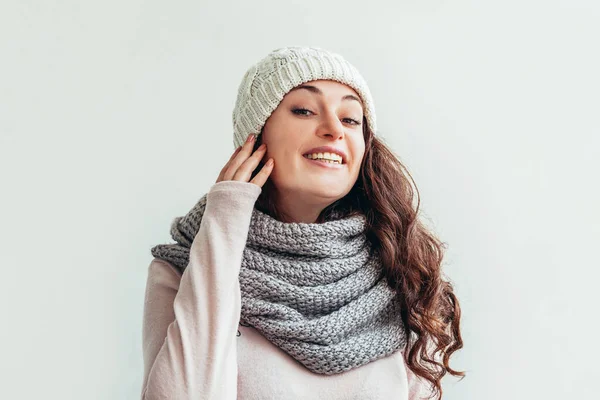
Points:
(316, 291)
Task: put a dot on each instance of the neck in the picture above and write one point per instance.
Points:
(298, 208)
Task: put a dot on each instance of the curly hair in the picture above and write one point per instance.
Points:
(411, 255)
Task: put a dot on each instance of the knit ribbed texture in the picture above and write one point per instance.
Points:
(265, 84)
(316, 291)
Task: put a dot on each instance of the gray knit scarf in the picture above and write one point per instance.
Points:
(316, 291)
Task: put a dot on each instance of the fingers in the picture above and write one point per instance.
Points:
(232, 166)
(264, 173)
(243, 163)
(244, 172)
(235, 153)
(224, 175)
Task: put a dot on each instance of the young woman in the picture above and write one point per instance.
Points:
(304, 272)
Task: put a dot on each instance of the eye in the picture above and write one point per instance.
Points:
(299, 111)
(355, 122)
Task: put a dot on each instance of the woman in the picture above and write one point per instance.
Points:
(307, 276)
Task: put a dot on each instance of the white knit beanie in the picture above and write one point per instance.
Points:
(266, 82)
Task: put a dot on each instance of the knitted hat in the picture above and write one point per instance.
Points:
(266, 82)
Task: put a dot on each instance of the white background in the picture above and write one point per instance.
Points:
(115, 117)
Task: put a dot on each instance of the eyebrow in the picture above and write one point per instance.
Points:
(318, 91)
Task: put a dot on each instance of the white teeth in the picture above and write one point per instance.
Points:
(328, 157)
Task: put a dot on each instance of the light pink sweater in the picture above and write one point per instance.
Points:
(190, 345)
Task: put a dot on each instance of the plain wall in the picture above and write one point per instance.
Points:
(115, 117)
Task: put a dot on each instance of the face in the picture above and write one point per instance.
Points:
(320, 113)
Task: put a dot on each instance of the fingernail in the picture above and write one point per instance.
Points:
(270, 162)
(250, 138)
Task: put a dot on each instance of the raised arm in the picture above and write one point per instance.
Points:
(190, 323)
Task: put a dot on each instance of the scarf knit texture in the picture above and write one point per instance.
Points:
(315, 290)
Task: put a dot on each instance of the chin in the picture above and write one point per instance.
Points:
(330, 193)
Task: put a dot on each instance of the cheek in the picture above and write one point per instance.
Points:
(359, 153)
(283, 151)
(273, 151)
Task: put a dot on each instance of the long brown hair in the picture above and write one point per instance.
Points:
(411, 255)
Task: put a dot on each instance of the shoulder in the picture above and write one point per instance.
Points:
(163, 274)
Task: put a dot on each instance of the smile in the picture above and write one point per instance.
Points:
(324, 164)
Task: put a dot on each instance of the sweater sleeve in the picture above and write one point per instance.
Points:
(190, 324)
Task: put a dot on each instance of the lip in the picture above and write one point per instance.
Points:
(328, 149)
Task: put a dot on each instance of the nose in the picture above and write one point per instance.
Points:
(331, 127)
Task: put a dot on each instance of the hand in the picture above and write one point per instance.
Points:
(242, 163)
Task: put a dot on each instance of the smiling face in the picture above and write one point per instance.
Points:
(312, 115)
